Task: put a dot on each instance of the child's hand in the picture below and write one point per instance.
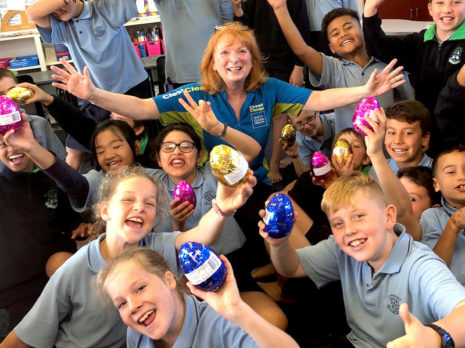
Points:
(265, 235)
(203, 114)
(416, 334)
(290, 150)
(236, 3)
(21, 139)
(274, 175)
(381, 83)
(73, 82)
(39, 94)
(230, 199)
(459, 218)
(375, 137)
(325, 183)
(180, 213)
(84, 230)
(371, 7)
(227, 300)
(342, 168)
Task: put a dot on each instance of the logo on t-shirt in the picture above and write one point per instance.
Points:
(394, 303)
(257, 114)
(51, 198)
(456, 55)
(99, 31)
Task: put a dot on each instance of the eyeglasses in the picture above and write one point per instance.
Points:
(306, 120)
(185, 147)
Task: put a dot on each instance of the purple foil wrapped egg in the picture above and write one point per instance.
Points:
(363, 110)
(201, 266)
(10, 116)
(279, 217)
(185, 193)
(321, 165)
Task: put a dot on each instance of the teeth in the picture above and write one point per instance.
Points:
(15, 156)
(399, 150)
(177, 161)
(446, 19)
(135, 219)
(346, 42)
(462, 187)
(357, 242)
(146, 315)
(234, 69)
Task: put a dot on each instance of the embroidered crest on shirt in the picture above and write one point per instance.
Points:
(51, 198)
(456, 55)
(208, 196)
(99, 31)
(394, 303)
(257, 114)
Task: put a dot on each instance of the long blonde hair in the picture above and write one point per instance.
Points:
(211, 81)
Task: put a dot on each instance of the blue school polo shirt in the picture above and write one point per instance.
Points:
(308, 146)
(202, 328)
(412, 274)
(71, 313)
(98, 39)
(433, 221)
(426, 161)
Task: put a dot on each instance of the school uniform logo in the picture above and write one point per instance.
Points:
(257, 114)
(51, 198)
(456, 55)
(394, 303)
(99, 31)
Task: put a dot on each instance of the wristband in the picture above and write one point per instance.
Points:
(223, 133)
(446, 338)
(218, 210)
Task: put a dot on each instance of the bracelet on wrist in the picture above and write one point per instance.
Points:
(225, 128)
(219, 211)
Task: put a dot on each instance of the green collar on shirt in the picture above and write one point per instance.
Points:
(459, 34)
(143, 143)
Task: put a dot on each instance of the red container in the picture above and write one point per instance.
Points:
(4, 62)
(154, 48)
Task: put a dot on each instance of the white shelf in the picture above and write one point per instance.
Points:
(57, 62)
(143, 20)
(27, 68)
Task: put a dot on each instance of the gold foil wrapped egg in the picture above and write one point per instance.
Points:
(19, 94)
(228, 165)
(288, 134)
(342, 149)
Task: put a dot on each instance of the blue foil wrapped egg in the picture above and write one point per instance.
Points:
(202, 267)
(279, 217)
(185, 193)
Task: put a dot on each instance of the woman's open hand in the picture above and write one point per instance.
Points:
(386, 80)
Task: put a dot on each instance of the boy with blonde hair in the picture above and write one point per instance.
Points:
(380, 268)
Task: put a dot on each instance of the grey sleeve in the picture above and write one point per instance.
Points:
(226, 10)
(332, 75)
(432, 223)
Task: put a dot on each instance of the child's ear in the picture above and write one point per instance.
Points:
(137, 147)
(436, 186)
(366, 160)
(331, 48)
(199, 157)
(170, 280)
(425, 141)
(429, 9)
(104, 211)
(391, 216)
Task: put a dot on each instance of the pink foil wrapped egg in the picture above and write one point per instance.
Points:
(364, 110)
(185, 193)
(10, 116)
(321, 165)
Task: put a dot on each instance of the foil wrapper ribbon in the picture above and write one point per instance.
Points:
(321, 165)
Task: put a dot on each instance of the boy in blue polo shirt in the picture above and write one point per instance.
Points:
(432, 57)
(407, 136)
(443, 226)
(95, 35)
(380, 268)
(344, 33)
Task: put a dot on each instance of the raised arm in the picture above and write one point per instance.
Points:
(371, 7)
(393, 189)
(12, 341)
(211, 225)
(307, 54)
(205, 116)
(82, 87)
(229, 304)
(377, 84)
(283, 256)
(39, 11)
(445, 245)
